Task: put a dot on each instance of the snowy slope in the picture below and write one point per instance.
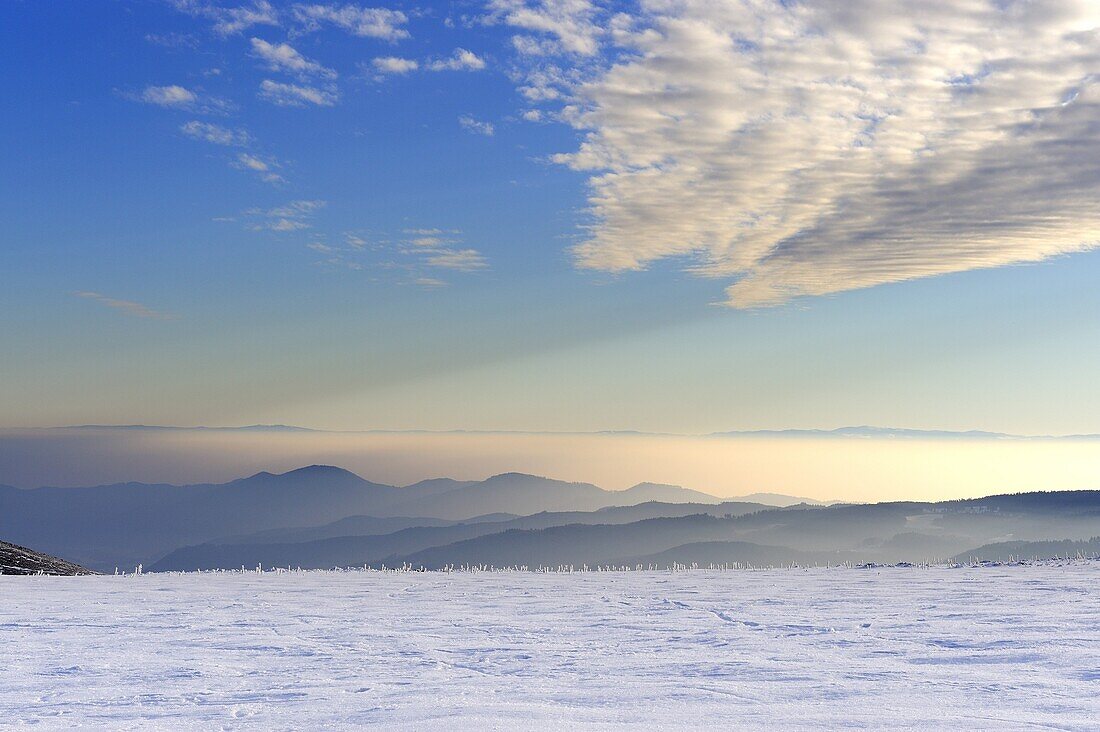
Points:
(966, 648)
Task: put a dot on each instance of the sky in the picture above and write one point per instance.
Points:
(672, 216)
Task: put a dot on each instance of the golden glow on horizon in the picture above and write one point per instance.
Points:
(852, 469)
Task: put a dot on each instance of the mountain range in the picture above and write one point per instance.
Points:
(854, 431)
(129, 523)
(323, 517)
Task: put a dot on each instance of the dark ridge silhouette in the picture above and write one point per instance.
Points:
(878, 533)
(15, 559)
(666, 494)
(730, 553)
(571, 544)
(350, 551)
(350, 526)
(1007, 551)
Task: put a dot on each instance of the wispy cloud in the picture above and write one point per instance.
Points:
(265, 168)
(294, 95)
(463, 260)
(172, 40)
(297, 208)
(283, 57)
(395, 65)
(360, 21)
(802, 149)
(293, 216)
(564, 26)
(460, 60)
(476, 126)
(128, 307)
(174, 96)
(232, 20)
(285, 225)
(442, 250)
(170, 96)
(336, 256)
(215, 134)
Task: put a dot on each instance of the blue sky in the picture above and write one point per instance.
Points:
(550, 215)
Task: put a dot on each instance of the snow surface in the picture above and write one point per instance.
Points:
(934, 648)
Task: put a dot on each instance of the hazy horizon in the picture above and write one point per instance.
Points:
(821, 467)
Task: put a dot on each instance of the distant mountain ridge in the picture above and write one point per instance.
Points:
(333, 549)
(128, 523)
(665, 534)
(856, 533)
(852, 431)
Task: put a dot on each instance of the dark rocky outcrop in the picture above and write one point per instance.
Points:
(15, 559)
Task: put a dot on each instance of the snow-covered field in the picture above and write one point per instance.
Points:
(940, 648)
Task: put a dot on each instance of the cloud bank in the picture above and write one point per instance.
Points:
(801, 149)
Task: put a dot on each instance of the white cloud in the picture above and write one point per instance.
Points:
(532, 115)
(285, 225)
(297, 209)
(528, 46)
(170, 96)
(548, 83)
(252, 163)
(366, 22)
(805, 149)
(442, 250)
(342, 257)
(264, 168)
(283, 57)
(430, 283)
(477, 127)
(294, 95)
(128, 307)
(293, 216)
(395, 65)
(570, 26)
(463, 260)
(216, 134)
(460, 60)
(174, 96)
(230, 21)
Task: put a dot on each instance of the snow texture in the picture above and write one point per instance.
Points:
(1009, 647)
